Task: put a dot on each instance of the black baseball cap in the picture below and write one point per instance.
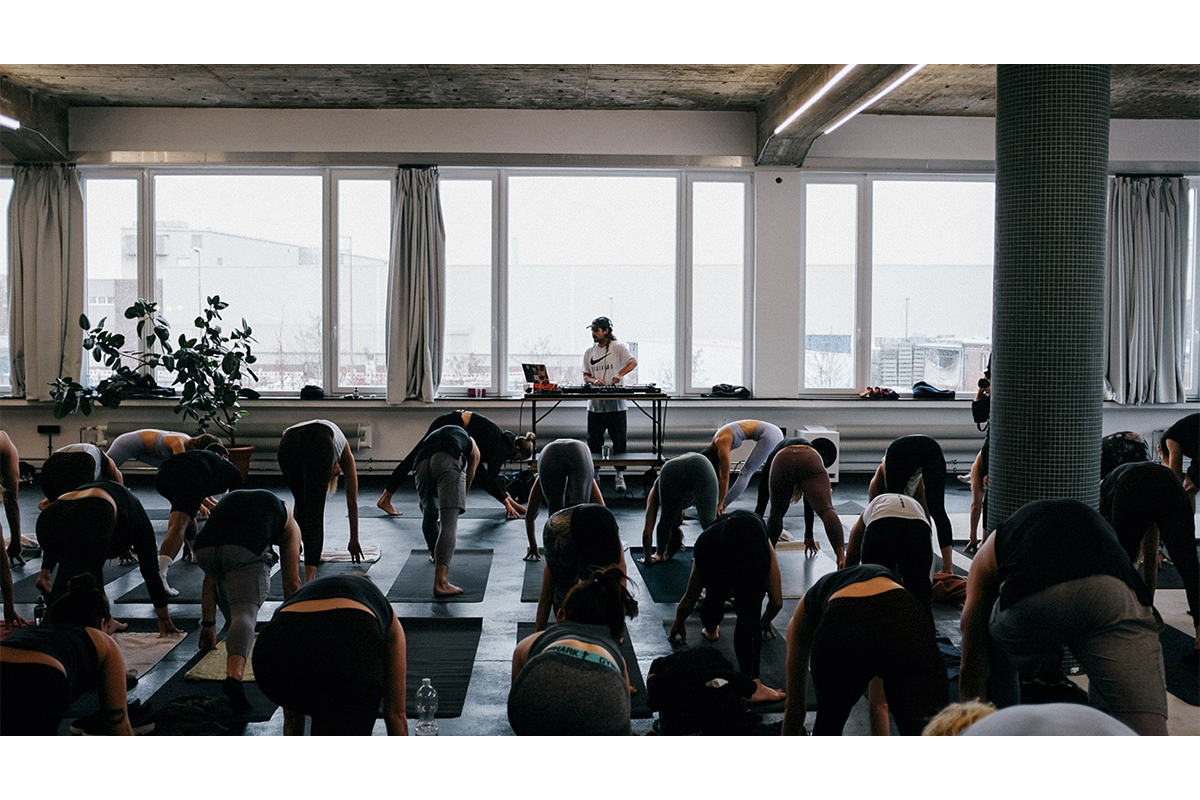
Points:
(603, 323)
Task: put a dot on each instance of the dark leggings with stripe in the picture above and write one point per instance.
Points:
(886, 635)
(904, 457)
(306, 458)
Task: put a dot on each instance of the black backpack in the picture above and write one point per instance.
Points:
(697, 691)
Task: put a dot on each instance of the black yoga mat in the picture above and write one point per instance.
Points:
(1168, 575)
(261, 709)
(666, 581)
(323, 571)
(847, 508)
(443, 650)
(24, 590)
(1182, 681)
(800, 571)
(185, 576)
(638, 707)
(531, 586)
(772, 661)
(469, 569)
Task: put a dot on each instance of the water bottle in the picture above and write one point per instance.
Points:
(427, 702)
(606, 451)
(39, 610)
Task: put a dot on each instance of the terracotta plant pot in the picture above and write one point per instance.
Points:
(240, 458)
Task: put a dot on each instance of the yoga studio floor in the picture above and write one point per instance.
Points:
(466, 646)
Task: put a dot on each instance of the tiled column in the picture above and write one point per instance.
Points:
(1047, 329)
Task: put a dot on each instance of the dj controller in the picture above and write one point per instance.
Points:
(590, 389)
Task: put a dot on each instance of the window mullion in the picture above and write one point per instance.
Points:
(862, 292)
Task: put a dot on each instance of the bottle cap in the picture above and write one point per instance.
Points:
(425, 682)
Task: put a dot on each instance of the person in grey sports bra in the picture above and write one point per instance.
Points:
(766, 437)
(152, 446)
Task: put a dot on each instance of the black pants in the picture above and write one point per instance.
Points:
(33, 699)
(904, 457)
(77, 536)
(902, 545)
(1151, 495)
(329, 665)
(614, 423)
(306, 458)
(733, 560)
(886, 635)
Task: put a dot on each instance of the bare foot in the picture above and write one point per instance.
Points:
(446, 589)
(387, 507)
(114, 626)
(765, 694)
(714, 636)
(42, 586)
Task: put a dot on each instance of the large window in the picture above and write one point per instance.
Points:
(719, 256)
(898, 281)
(364, 208)
(468, 214)
(111, 259)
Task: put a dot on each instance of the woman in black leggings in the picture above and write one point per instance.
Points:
(496, 447)
(82, 529)
(1145, 503)
(855, 625)
(46, 668)
(733, 558)
(311, 456)
(333, 651)
(914, 465)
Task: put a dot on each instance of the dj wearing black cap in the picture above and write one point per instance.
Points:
(604, 364)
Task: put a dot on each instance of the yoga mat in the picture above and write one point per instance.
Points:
(666, 581)
(469, 569)
(323, 571)
(212, 667)
(638, 701)
(1182, 681)
(24, 590)
(531, 588)
(772, 660)
(185, 576)
(370, 553)
(142, 651)
(261, 709)
(443, 650)
(847, 508)
(800, 571)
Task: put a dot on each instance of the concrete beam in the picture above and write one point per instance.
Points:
(791, 146)
(44, 131)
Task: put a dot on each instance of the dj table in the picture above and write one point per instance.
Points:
(650, 400)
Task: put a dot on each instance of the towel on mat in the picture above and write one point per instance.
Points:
(143, 650)
(370, 554)
(212, 666)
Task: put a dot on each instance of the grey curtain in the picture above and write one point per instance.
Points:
(45, 277)
(1144, 289)
(416, 288)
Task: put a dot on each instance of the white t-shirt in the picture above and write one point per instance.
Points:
(339, 438)
(603, 364)
(900, 506)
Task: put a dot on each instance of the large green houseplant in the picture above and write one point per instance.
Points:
(208, 369)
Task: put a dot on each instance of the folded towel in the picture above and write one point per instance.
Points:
(212, 666)
(370, 554)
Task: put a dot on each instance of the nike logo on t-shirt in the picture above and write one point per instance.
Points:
(596, 361)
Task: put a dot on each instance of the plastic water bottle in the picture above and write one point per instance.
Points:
(427, 703)
(39, 610)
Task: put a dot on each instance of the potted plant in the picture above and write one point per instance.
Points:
(208, 370)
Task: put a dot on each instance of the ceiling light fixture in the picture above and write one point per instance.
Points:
(9, 122)
(820, 93)
(874, 99)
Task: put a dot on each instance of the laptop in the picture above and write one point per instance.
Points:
(535, 373)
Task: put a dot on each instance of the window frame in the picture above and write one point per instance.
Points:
(6, 173)
(864, 262)
(1192, 391)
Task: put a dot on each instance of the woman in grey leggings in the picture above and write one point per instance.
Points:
(566, 477)
(446, 461)
(236, 551)
(686, 480)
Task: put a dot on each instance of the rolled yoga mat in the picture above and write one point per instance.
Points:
(666, 581)
(638, 708)
(185, 576)
(443, 650)
(469, 569)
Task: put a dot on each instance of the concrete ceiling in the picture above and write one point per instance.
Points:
(43, 92)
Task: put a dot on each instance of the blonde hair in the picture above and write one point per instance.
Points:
(957, 717)
(523, 446)
(331, 487)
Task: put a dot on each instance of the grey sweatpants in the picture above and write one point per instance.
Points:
(442, 489)
(243, 578)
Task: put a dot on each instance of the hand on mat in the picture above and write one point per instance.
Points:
(128, 557)
(765, 694)
(532, 554)
(769, 631)
(14, 551)
(355, 550)
(811, 546)
(208, 639)
(13, 620)
(677, 630)
(513, 509)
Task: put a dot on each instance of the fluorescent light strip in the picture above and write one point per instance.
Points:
(9, 122)
(820, 93)
(874, 99)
